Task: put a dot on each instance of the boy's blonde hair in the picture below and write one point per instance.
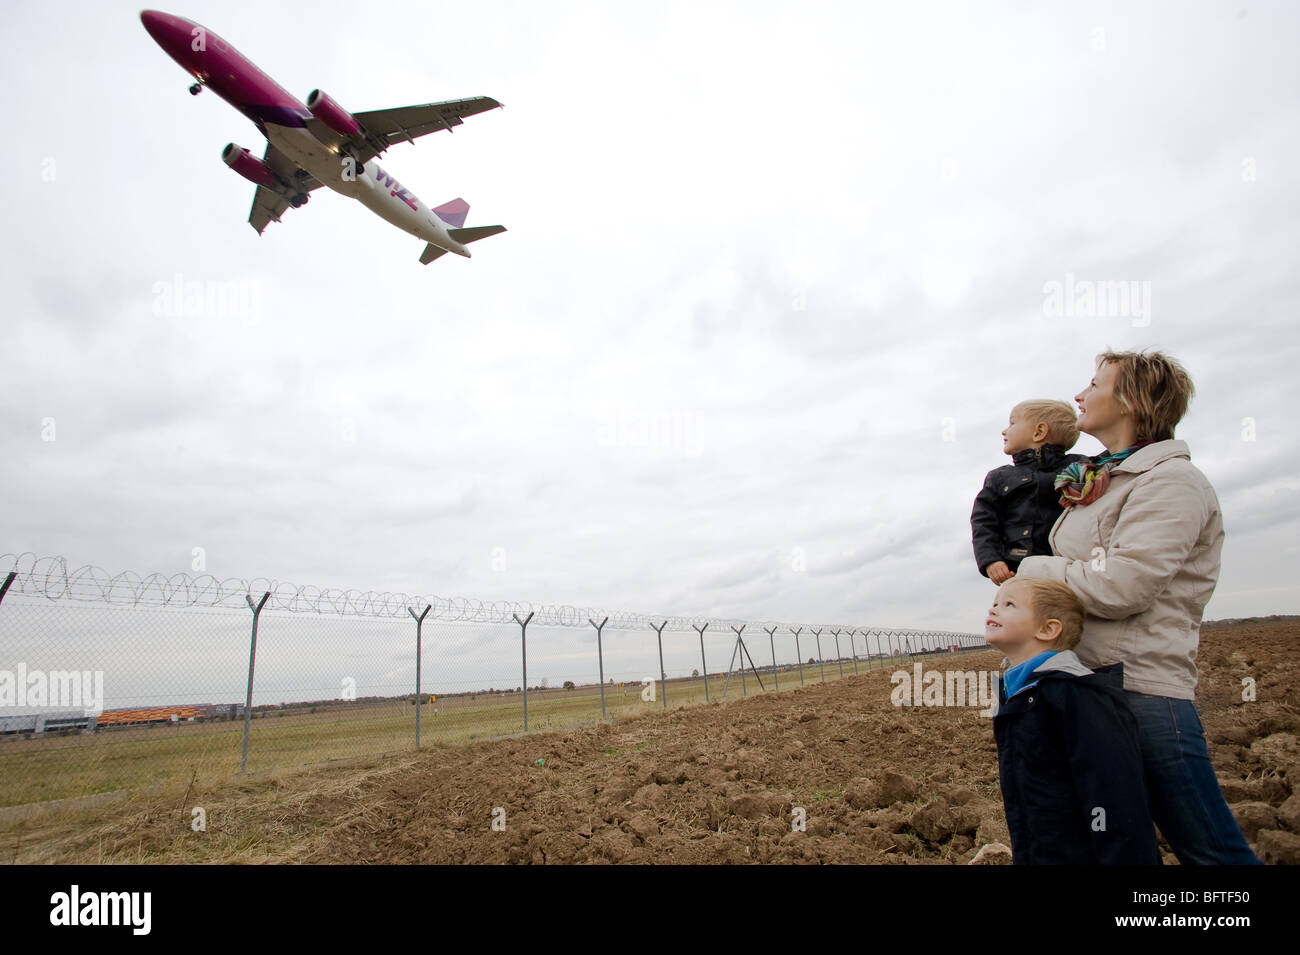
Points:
(1152, 387)
(1053, 600)
(1062, 425)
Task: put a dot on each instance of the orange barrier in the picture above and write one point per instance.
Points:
(150, 714)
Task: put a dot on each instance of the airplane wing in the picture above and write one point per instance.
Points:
(269, 205)
(267, 208)
(408, 123)
(382, 127)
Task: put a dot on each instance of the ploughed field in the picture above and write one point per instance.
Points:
(830, 772)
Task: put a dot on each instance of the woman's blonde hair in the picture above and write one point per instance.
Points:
(1152, 387)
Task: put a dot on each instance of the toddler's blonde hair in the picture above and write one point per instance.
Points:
(1062, 425)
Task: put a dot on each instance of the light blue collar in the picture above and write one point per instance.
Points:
(1014, 680)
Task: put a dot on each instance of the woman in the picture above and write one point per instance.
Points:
(1139, 542)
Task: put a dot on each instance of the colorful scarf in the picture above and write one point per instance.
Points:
(1084, 481)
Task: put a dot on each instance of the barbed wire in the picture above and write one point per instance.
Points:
(50, 578)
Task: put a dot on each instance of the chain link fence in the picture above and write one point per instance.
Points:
(112, 682)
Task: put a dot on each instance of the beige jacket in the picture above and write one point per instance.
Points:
(1144, 559)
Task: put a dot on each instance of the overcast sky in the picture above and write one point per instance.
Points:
(774, 276)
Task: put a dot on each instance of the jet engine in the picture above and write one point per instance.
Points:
(332, 114)
(249, 166)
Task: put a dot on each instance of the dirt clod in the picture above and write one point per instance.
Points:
(995, 853)
(1275, 847)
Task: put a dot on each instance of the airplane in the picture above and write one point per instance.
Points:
(320, 143)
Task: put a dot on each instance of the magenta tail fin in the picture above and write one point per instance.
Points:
(453, 213)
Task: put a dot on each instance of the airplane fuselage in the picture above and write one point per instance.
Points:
(282, 118)
(372, 186)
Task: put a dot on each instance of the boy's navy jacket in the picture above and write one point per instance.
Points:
(1015, 510)
(1068, 747)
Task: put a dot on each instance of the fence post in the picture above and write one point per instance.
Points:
(739, 647)
(703, 663)
(252, 656)
(663, 677)
(839, 657)
(797, 652)
(4, 589)
(523, 645)
(820, 662)
(419, 624)
(600, 660)
(776, 672)
(854, 649)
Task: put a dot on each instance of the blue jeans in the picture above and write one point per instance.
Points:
(1186, 802)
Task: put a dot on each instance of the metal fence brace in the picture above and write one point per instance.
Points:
(252, 657)
(600, 659)
(776, 671)
(663, 676)
(523, 646)
(704, 666)
(419, 623)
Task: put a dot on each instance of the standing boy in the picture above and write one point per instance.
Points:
(1069, 760)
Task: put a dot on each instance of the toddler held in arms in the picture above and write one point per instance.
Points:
(1019, 503)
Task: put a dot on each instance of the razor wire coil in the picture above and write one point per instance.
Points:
(51, 578)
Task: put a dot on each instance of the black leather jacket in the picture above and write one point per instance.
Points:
(1015, 510)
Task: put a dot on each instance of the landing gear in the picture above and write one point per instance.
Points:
(196, 89)
(299, 200)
